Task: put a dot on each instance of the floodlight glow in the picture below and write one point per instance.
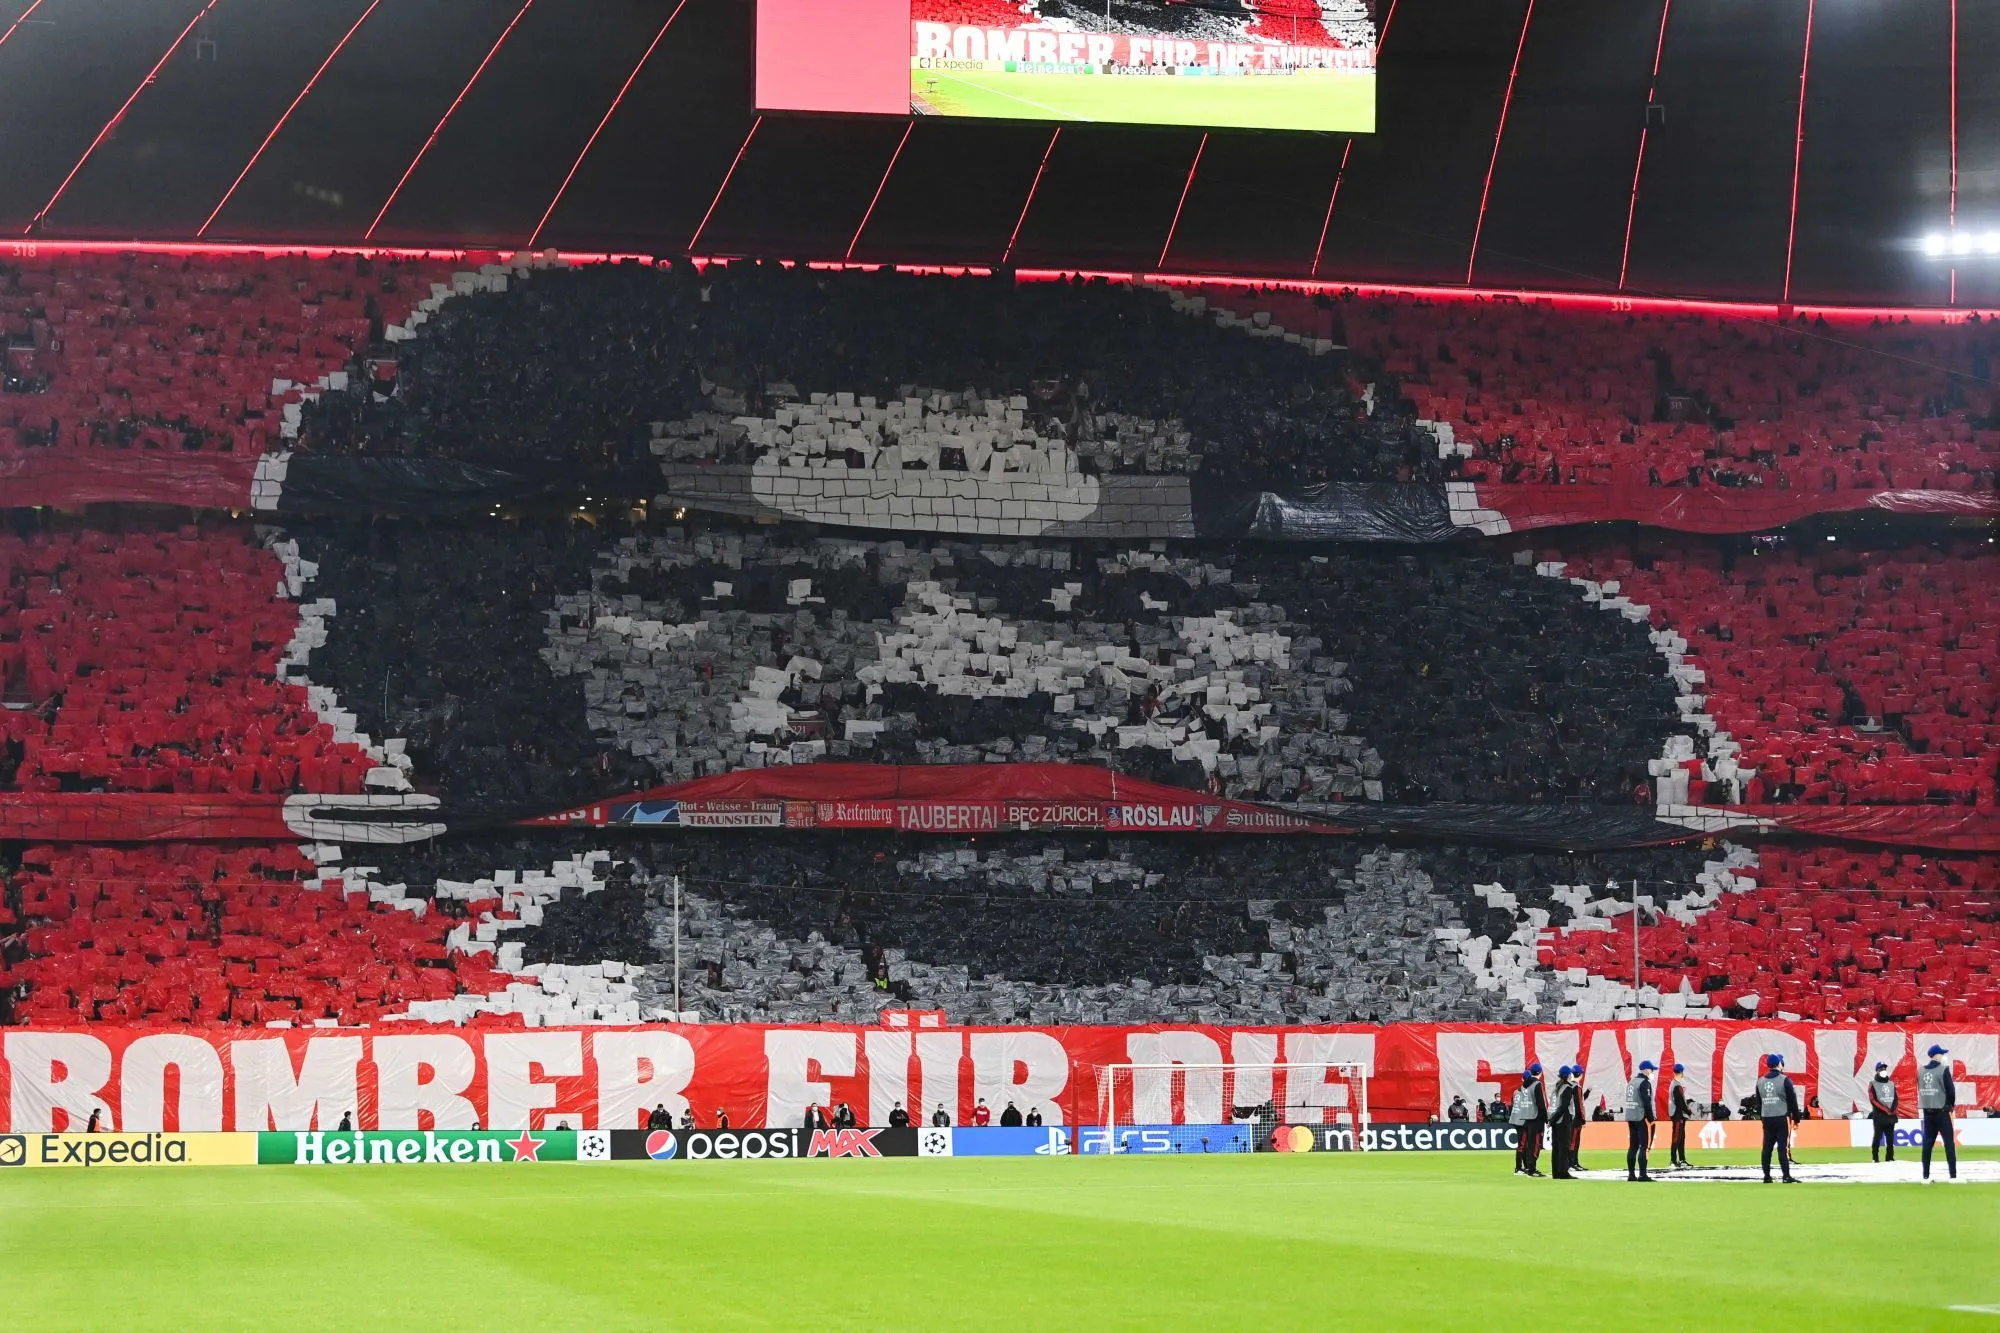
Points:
(1934, 245)
(1993, 242)
(1961, 243)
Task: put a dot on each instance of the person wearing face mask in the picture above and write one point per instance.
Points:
(1882, 1114)
(1937, 1097)
(1680, 1109)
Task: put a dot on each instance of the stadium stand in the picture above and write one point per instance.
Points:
(528, 664)
(198, 934)
(1520, 392)
(149, 662)
(196, 354)
(519, 664)
(1845, 675)
(1827, 934)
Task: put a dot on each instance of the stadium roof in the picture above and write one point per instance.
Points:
(427, 124)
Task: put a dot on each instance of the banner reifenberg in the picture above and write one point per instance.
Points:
(409, 1077)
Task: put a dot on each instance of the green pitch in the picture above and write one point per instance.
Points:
(1313, 100)
(1380, 1242)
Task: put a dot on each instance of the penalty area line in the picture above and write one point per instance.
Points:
(1024, 101)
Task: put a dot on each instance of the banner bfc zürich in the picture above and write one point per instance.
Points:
(407, 1077)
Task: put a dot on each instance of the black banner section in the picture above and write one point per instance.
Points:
(1581, 828)
(1333, 512)
(358, 486)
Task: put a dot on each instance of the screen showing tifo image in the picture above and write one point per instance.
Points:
(1222, 64)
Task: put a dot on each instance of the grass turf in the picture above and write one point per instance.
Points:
(1343, 103)
(1431, 1241)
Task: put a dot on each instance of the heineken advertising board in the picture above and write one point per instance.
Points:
(418, 1147)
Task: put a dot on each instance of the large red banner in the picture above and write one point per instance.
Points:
(938, 798)
(1711, 509)
(414, 1077)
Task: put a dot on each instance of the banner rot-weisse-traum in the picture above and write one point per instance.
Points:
(412, 1077)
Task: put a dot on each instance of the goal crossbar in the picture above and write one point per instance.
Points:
(1265, 1095)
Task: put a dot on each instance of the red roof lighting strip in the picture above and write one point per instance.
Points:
(230, 193)
(727, 176)
(1033, 185)
(1331, 200)
(880, 186)
(410, 170)
(112, 123)
(1500, 128)
(1186, 186)
(19, 21)
(1652, 89)
(609, 112)
(1602, 302)
(1340, 172)
(1798, 155)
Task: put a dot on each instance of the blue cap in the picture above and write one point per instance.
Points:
(1680, 1068)
(1774, 1060)
(1647, 1064)
(1569, 1070)
(1937, 1050)
(1535, 1068)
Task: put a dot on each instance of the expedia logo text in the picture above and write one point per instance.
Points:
(93, 1150)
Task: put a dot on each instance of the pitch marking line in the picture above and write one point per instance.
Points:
(1024, 101)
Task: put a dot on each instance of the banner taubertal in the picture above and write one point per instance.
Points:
(411, 1077)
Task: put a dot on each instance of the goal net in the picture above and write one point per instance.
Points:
(1182, 1108)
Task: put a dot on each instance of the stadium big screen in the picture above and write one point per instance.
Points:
(1223, 64)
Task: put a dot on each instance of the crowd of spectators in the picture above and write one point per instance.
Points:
(1849, 672)
(546, 663)
(184, 354)
(1527, 391)
(520, 664)
(572, 366)
(1059, 928)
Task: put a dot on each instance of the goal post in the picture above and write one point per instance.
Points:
(1293, 1106)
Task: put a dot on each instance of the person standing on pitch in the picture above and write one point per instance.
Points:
(1582, 1119)
(1937, 1097)
(1639, 1122)
(1882, 1113)
(1528, 1113)
(1564, 1115)
(1778, 1106)
(1679, 1111)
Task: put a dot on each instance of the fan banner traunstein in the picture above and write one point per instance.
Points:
(963, 799)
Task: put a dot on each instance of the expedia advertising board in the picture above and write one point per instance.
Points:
(418, 1147)
(752, 1145)
(87, 1150)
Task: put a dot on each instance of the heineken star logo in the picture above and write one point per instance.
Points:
(526, 1147)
